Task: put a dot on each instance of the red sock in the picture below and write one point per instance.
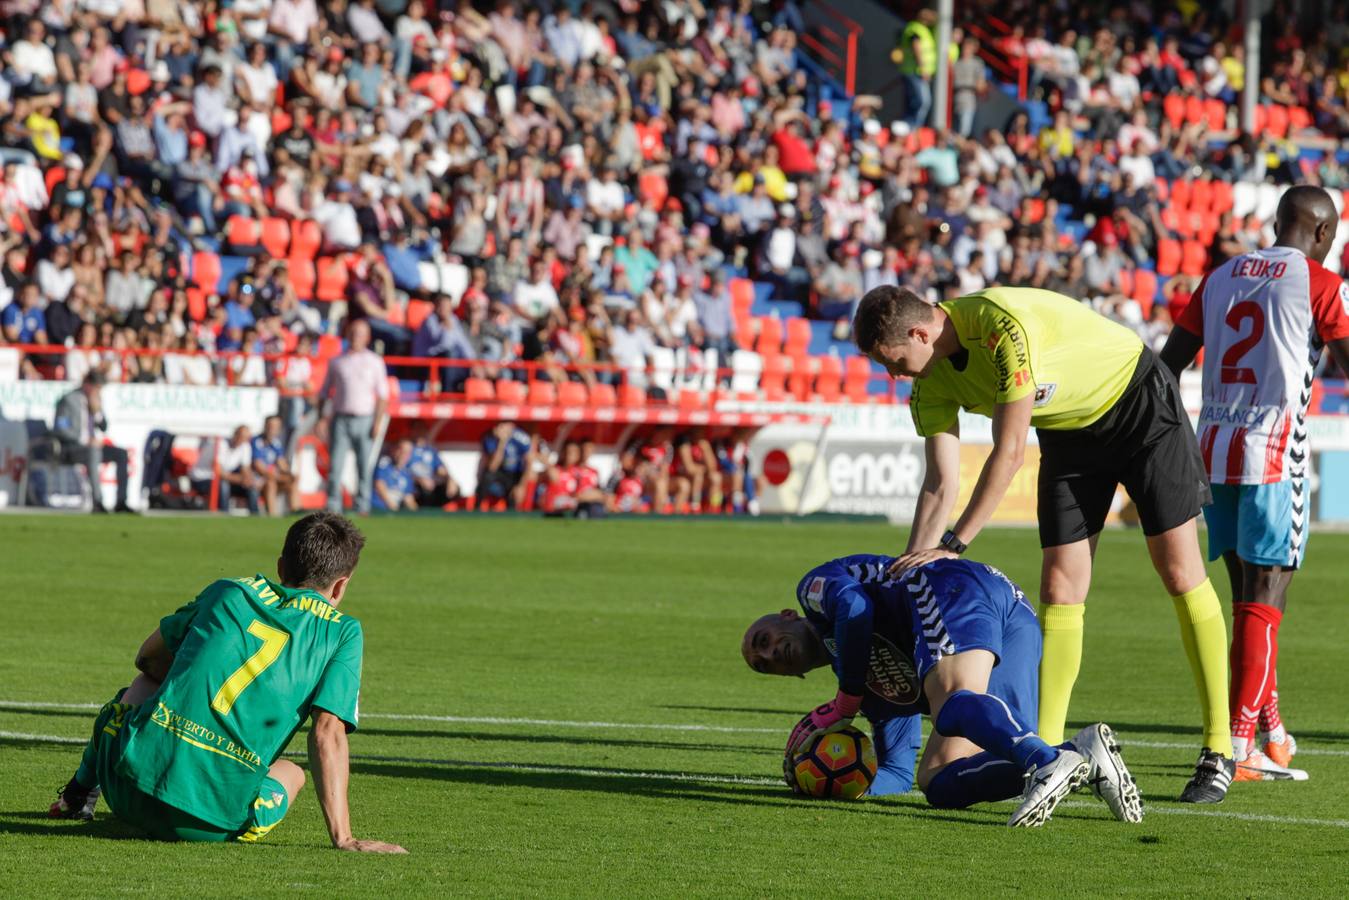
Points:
(1255, 651)
(1269, 713)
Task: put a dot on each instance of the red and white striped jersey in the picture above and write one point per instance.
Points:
(1263, 317)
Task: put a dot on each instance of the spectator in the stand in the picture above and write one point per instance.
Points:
(395, 488)
(631, 346)
(357, 383)
(78, 422)
(508, 456)
(839, 286)
(1104, 268)
(779, 260)
(442, 336)
(639, 262)
(716, 315)
(968, 85)
(432, 484)
(918, 63)
(228, 462)
(271, 464)
(535, 298)
(23, 321)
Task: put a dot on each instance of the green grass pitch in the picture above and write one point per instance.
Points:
(559, 709)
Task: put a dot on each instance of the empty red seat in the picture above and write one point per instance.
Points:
(856, 375)
(1215, 114)
(692, 401)
(773, 379)
(770, 335)
(418, 312)
(603, 395)
(828, 379)
(1276, 120)
(542, 393)
(1194, 258)
(1168, 257)
(206, 271)
(631, 396)
(332, 278)
(1145, 287)
(196, 304)
(479, 390)
(801, 375)
(1173, 107)
(1180, 193)
(1298, 118)
(742, 295)
(1126, 282)
(653, 188)
(513, 392)
(1201, 195)
(275, 236)
(798, 336)
(927, 137)
(1223, 197)
(302, 277)
(572, 393)
(305, 239)
(243, 232)
(1194, 110)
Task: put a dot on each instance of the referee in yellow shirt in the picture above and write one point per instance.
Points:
(1106, 413)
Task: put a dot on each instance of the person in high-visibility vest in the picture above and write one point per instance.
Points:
(918, 63)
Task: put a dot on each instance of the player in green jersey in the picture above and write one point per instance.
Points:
(190, 751)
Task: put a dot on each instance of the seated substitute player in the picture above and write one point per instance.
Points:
(190, 751)
(1264, 318)
(956, 638)
(1106, 412)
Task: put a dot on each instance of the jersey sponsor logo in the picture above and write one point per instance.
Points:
(891, 674)
(991, 342)
(1021, 378)
(1044, 393)
(1255, 267)
(203, 738)
(1248, 417)
(814, 596)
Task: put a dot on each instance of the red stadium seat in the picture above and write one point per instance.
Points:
(330, 345)
(302, 276)
(542, 393)
(1125, 283)
(1194, 258)
(572, 394)
(418, 312)
(243, 233)
(742, 295)
(305, 239)
(603, 395)
(1163, 189)
(770, 335)
(828, 380)
(512, 392)
(631, 396)
(1194, 110)
(332, 278)
(744, 329)
(692, 401)
(1215, 114)
(1036, 211)
(1173, 107)
(1276, 120)
(196, 304)
(275, 236)
(206, 271)
(1145, 287)
(798, 336)
(773, 380)
(802, 374)
(1201, 195)
(857, 374)
(1168, 257)
(927, 137)
(1176, 219)
(1180, 193)
(653, 188)
(53, 177)
(1223, 198)
(1298, 118)
(479, 390)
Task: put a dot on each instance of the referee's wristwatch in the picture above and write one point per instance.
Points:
(949, 541)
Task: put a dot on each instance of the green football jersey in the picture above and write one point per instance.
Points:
(251, 657)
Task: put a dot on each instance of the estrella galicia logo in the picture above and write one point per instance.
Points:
(891, 674)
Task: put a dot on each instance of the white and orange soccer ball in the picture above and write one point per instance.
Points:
(839, 765)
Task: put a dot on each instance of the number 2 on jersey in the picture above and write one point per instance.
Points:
(273, 642)
(1236, 316)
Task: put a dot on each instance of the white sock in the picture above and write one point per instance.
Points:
(1278, 735)
(1241, 748)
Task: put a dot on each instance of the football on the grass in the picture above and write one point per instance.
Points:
(840, 765)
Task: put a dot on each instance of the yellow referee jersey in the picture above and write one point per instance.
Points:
(1027, 342)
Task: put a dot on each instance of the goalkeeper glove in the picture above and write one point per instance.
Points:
(835, 715)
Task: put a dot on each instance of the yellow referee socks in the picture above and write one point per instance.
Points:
(1059, 662)
(1204, 634)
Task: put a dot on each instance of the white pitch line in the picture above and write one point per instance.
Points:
(1127, 740)
(724, 779)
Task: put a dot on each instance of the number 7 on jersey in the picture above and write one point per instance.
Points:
(273, 642)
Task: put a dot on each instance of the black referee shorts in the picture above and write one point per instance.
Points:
(1145, 442)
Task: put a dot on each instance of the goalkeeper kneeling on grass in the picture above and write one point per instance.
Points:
(956, 639)
(191, 750)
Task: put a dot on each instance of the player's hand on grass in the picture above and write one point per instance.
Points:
(835, 715)
(360, 846)
(915, 558)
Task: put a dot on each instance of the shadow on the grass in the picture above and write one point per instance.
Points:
(63, 713)
(103, 826)
(559, 739)
(657, 785)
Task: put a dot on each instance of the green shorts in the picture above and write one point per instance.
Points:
(167, 823)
